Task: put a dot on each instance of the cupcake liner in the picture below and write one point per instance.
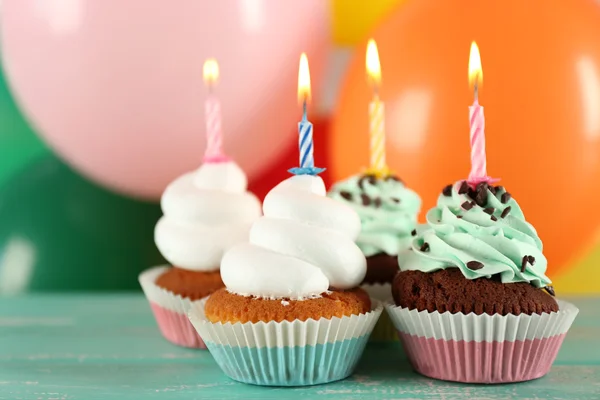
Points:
(378, 291)
(384, 330)
(297, 353)
(482, 348)
(170, 311)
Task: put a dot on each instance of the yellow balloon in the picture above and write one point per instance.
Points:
(583, 275)
(353, 19)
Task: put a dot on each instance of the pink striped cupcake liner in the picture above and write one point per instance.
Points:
(170, 311)
(482, 348)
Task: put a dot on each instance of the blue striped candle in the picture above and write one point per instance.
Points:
(305, 140)
(305, 127)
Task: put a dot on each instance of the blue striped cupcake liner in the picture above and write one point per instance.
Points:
(297, 353)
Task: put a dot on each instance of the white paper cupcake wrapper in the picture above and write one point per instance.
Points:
(170, 310)
(384, 330)
(378, 291)
(296, 353)
(479, 328)
(482, 348)
(160, 296)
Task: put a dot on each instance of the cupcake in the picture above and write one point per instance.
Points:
(292, 312)
(388, 213)
(205, 213)
(472, 301)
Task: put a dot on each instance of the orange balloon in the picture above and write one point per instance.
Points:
(541, 93)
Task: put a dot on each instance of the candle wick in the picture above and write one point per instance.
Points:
(304, 118)
(476, 91)
(376, 91)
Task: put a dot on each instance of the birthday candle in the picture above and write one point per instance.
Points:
(305, 128)
(376, 111)
(477, 121)
(212, 108)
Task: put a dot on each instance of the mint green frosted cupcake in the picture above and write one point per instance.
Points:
(472, 302)
(388, 213)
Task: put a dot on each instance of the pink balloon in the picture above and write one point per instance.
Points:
(115, 87)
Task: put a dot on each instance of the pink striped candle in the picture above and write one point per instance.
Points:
(212, 108)
(478, 172)
(478, 157)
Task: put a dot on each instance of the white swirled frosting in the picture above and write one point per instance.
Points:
(303, 246)
(206, 212)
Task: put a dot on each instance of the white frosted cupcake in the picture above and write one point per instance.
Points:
(292, 313)
(206, 212)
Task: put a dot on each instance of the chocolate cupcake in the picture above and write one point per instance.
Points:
(473, 289)
(388, 213)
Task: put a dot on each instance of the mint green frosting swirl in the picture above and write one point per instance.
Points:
(388, 212)
(456, 237)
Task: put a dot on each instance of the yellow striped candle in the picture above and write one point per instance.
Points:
(376, 113)
(377, 133)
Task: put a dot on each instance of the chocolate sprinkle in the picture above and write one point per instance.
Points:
(531, 260)
(493, 218)
(464, 187)
(467, 205)
(377, 202)
(369, 178)
(482, 194)
(492, 189)
(550, 290)
(366, 200)
(413, 232)
(524, 263)
(505, 197)
(346, 195)
(459, 216)
(488, 210)
(447, 191)
(425, 247)
(474, 265)
(395, 200)
(505, 212)
(393, 178)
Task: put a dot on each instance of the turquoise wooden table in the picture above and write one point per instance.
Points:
(107, 346)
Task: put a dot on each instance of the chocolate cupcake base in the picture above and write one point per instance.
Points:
(448, 290)
(381, 268)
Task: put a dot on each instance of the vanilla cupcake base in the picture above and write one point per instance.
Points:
(482, 348)
(170, 311)
(297, 353)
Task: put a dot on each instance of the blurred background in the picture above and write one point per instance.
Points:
(101, 106)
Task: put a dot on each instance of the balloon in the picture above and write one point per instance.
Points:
(116, 88)
(582, 275)
(351, 20)
(541, 92)
(19, 144)
(60, 232)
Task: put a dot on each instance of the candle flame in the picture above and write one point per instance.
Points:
(303, 80)
(475, 70)
(210, 71)
(373, 65)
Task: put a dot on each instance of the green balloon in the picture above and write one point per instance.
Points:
(60, 232)
(19, 143)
